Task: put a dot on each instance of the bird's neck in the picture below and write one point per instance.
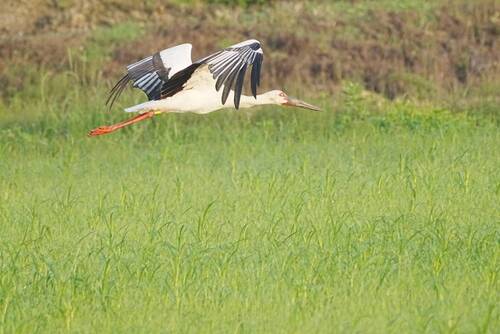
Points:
(250, 101)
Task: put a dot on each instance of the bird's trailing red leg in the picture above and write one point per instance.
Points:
(102, 130)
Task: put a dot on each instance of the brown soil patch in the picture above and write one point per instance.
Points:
(392, 53)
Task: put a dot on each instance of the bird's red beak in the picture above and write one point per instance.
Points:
(300, 104)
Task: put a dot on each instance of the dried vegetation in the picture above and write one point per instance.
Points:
(417, 52)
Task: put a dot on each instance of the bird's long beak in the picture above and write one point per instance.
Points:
(301, 104)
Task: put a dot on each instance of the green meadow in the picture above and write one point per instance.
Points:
(376, 215)
(269, 220)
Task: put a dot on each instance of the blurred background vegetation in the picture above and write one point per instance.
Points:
(445, 52)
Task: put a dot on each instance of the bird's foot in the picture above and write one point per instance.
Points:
(102, 130)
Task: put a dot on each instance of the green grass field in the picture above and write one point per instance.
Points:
(273, 220)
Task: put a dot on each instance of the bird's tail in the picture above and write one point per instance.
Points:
(146, 106)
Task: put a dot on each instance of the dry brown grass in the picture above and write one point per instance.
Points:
(313, 47)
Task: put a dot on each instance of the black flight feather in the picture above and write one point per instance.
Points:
(228, 85)
(238, 86)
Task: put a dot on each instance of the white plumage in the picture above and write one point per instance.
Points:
(177, 58)
(199, 96)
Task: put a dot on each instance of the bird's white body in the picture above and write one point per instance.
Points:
(199, 96)
(194, 101)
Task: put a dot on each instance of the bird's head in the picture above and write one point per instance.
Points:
(280, 98)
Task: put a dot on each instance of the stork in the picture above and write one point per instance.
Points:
(174, 84)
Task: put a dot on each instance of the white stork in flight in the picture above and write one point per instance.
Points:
(175, 84)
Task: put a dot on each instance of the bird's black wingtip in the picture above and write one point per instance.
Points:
(116, 91)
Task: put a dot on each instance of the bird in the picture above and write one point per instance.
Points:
(175, 84)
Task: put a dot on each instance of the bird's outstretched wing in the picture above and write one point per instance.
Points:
(151, 73)
(229, 66)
